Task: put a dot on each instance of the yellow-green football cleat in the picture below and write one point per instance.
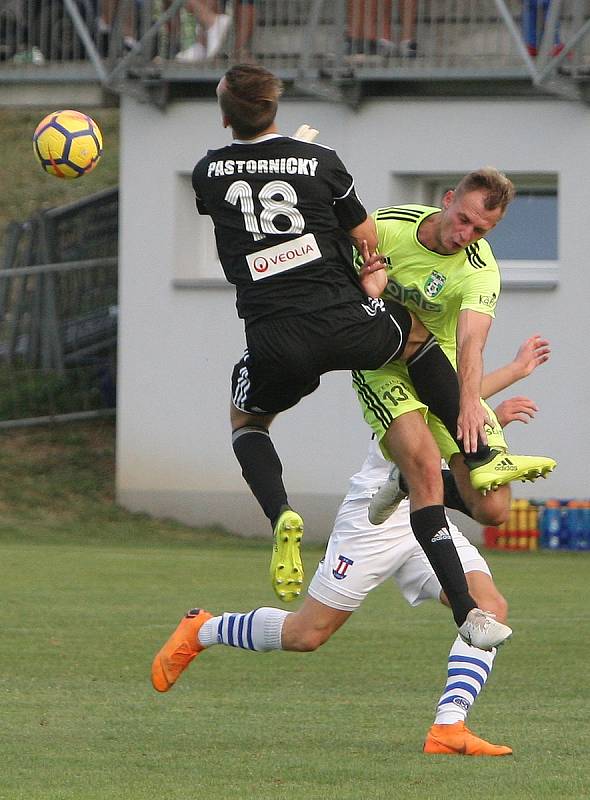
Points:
(286, 568)
(504, 468)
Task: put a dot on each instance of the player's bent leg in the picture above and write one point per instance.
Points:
(262, 470)
(311, 626)
(411, 445)
(259, 630)
(468, 667)
(484, 627)
(468, 671)
(490, 509)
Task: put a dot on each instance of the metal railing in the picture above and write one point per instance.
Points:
(58, 311)
(116, 41)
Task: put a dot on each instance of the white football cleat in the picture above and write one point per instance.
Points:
(387, 499)
(482, 629)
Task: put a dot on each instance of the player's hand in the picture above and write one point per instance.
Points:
(305, 133)
(372, 274)
(533, 352)
(471, 425)
(516, 409)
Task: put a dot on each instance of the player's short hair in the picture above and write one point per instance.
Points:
(499, 190)
(249, 99)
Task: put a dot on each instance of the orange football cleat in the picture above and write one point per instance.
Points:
(178, 652)
(457, 740)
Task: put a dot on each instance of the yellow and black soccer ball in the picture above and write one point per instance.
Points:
(68, 144)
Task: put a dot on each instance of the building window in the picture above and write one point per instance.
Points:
(528, 232)
(526, 241)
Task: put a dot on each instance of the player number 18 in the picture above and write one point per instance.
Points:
(277, 198)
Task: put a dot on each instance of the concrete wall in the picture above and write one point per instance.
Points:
(179, 337)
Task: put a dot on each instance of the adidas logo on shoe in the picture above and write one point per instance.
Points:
(441, 536)
(505, 465)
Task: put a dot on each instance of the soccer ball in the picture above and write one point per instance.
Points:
(68, 144)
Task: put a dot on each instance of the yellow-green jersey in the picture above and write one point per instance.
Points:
(435, 287)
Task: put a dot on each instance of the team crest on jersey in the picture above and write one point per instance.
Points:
(343, 564)
(435, 283)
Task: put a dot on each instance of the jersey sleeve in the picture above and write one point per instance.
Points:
(386, 239)
(482, 287)
(349, 210)
(201, 207)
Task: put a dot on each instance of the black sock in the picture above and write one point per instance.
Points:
(436, 384)
(431, 530)
(261, 468)
(453, 497)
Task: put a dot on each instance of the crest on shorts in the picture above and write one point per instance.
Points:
(343, 564)
(435, 283)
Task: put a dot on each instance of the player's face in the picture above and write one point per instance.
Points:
(464, 220)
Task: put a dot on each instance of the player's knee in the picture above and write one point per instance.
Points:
(490, 510)
(424, 476)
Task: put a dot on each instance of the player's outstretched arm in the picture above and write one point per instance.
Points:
(516, 409)
(533, 352)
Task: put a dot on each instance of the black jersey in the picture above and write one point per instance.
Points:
(281, 209)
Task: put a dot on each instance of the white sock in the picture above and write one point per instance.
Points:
(469, 668)
(256, 630)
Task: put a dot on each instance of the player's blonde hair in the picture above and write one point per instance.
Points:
(249, 98)
(499, 190)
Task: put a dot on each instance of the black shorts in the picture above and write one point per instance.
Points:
(285, 357)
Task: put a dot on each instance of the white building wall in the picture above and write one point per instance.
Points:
(178, 345)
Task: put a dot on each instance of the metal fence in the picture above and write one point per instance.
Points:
(117, 39)
(58, 312)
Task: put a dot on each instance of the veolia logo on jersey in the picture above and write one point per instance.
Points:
(283, 257)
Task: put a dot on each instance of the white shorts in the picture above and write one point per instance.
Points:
(360, 556)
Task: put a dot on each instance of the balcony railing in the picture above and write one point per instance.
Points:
(122, 42)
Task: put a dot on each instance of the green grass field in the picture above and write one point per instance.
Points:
(89, 592)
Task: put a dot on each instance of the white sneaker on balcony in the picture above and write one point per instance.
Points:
(216, 34)
(196, 52)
